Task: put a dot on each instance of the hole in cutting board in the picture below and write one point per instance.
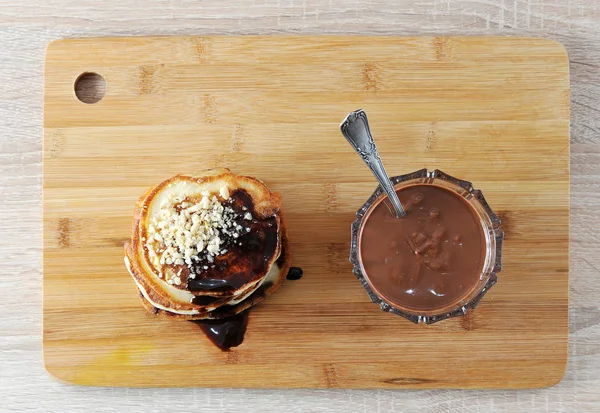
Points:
(90, 87)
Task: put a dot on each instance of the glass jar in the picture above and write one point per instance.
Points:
(491, 259)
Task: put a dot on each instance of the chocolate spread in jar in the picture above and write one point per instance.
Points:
(431, 258)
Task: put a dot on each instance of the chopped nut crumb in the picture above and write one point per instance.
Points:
(184, 232)
(224, 192)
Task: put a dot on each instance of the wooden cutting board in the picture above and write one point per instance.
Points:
(491, 110)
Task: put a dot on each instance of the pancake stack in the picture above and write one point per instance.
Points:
(207, 247)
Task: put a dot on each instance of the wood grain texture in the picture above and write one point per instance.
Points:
(26, 29)
(269, 106)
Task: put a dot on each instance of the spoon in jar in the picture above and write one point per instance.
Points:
(355, 129)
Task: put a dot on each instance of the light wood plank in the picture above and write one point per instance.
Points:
(476, 107)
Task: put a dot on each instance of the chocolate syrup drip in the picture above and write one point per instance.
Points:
(226, 332)
(210, 284)
(295, 273)
(247, 259)
(204, 299)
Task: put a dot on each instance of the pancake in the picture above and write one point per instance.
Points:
(271, 283)
(207, 246)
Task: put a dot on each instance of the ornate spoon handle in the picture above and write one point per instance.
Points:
(355, 129)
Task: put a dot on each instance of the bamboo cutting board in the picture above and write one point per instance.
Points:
(491, 110)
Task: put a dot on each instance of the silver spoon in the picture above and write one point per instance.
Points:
(355, 129)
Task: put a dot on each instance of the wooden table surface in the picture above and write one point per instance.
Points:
(27, 27)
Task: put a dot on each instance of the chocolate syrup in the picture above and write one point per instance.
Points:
(247, 257)
(209, 284)
(431, 258)
(226, 332)
(295, 273)
(205, 299)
